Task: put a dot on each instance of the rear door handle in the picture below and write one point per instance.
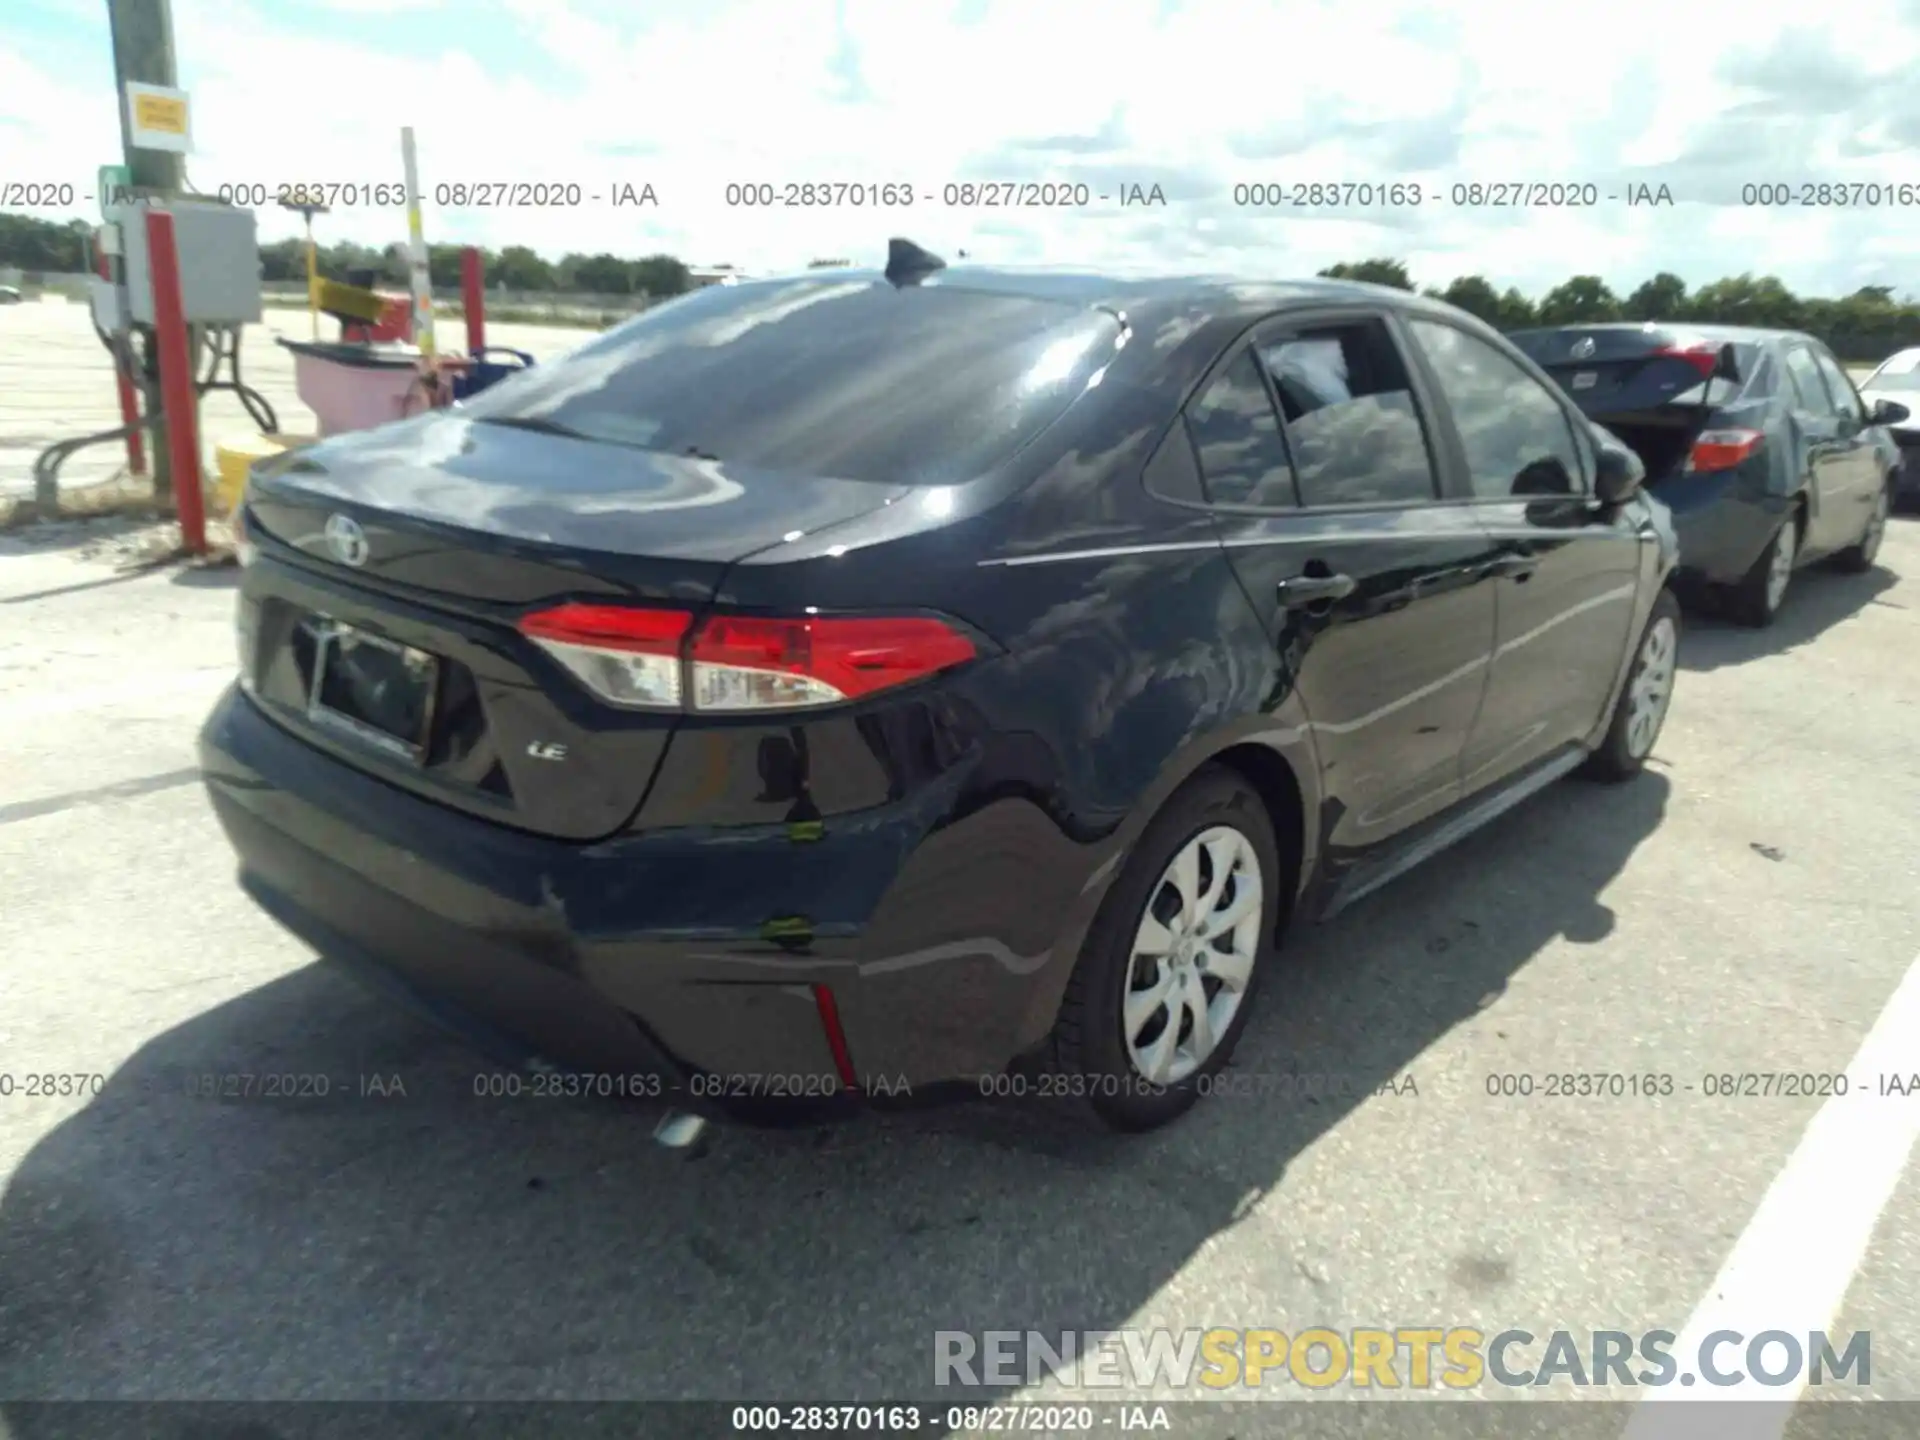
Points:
(1513, 567)
(1304, 590)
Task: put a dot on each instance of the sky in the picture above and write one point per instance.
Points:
(1201, 99)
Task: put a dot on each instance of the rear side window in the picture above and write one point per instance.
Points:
(1242, 457)
(1351, 424)
(1845, 401)
(1763, 380)
(1516, 437)
(926, 384)
(1808, 388)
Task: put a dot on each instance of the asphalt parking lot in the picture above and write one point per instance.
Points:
(1751, 904)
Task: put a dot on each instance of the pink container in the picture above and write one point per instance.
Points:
(356, 387)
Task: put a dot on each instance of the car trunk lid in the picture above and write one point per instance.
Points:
(438, 536)
(1630, 370)
(501, 511)
(1657, 389)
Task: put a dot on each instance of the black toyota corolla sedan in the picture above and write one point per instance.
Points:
(889, 683)
(1757, 440)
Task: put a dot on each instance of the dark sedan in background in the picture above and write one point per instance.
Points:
(1757, 439)
(921, 678)
(1897, 381)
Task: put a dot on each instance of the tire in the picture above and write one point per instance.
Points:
(1858, 559)
(1090, 1042)
(1756, 600)
(1623, 754)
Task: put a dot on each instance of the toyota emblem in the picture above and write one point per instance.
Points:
(1583, 347)
(347, 540)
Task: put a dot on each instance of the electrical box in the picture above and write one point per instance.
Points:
(109, 307)
(219, 249)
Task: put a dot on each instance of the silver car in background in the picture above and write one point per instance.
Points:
(1898, 380)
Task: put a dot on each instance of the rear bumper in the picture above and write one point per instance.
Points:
(637, 957)
(1723, 521)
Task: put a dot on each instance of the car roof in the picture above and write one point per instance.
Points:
(1140, 295)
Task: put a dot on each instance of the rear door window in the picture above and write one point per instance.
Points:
(1845, 401)
(1808, 388)
(1242, 457)
(1763, 382)
(1350, 419)
(1518, 441)
(925, 384)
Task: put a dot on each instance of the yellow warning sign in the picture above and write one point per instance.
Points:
(157, 118)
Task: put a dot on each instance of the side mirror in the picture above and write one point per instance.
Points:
(1727, 367)
(1618, 473)
(1888, 412)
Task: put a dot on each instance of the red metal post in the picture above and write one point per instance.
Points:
(473, 299)
(129, 400)
(176, 381)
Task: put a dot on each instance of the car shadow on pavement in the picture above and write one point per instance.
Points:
(112, 532)
(216, 576)
(400, 1237)
(1818, 599)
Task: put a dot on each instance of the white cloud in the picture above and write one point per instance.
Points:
(1195, 97)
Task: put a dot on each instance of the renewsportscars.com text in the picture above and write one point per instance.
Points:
(1405, 1357)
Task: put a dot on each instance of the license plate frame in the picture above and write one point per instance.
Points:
(330, 640)
(1586, 380)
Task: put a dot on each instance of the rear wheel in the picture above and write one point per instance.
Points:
(1858, 559)
(1166, 979)
(1756, 600)
(1641, 710)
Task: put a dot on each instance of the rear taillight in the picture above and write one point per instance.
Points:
(657, 660)
(1702, 355)
(750, 663)
(1723, 449)
(625, 655)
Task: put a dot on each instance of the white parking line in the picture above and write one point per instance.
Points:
(1791, 1266)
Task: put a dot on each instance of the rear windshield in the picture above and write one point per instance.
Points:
(854, 379)
(1902, 372)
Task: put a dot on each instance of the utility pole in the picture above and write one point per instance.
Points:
(143, 51)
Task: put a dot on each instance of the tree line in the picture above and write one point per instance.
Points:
(1864, 326)
(515, 268)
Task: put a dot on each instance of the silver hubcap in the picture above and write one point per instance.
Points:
(1651, 687)
(1876, 525)
(1780, 567)
(1193, 955)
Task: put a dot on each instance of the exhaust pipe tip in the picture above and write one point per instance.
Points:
(678, 1130)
